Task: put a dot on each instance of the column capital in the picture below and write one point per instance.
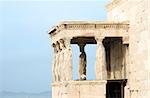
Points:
(125, 40)
(67, 41)
(67, 38)
(99, 39)
(81, 46)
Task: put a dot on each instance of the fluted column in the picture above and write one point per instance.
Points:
(82, 62)
(68, 73)
(100, 67)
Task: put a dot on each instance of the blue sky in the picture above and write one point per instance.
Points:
(25, 48)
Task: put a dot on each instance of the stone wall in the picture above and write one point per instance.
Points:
(136, 12)
(79, 89)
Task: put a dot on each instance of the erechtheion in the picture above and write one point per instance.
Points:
(122, 65)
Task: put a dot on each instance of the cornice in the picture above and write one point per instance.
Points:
(88, 25)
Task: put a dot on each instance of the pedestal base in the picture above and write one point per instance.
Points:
(79, 89)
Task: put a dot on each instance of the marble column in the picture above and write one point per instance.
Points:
(68, 73)
(82, 62)
(54, 63)
(100, 67)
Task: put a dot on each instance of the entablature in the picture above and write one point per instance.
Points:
(89, 28)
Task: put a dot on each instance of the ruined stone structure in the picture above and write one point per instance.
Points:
(122, 65)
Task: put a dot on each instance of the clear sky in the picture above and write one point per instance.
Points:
(25, 48)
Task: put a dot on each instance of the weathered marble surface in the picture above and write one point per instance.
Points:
(138, 69)
(100, 60)
(79, 89)
(129, 19)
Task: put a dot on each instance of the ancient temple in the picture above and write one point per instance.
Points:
(122, 65)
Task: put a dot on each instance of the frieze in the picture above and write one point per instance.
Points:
(97, 26)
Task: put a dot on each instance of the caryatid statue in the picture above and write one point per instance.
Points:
(82, 62)
(54, 63)
(57, 67)
(62, 60)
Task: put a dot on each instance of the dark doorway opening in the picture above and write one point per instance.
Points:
(115, 88)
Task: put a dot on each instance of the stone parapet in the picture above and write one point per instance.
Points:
(79, 89)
